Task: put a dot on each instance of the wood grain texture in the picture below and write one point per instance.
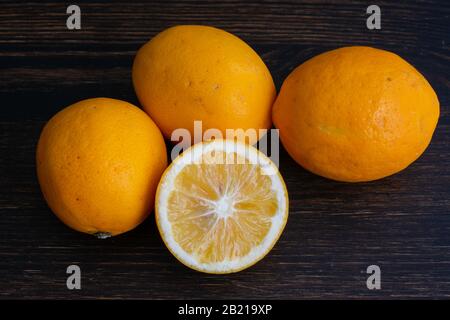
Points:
(335, 230)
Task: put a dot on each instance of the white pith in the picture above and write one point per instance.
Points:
(224, 206)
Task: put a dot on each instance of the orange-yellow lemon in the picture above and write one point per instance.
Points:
(190, 72)
(99, 162)
(356, 114)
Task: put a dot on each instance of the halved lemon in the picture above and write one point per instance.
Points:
(221, 206)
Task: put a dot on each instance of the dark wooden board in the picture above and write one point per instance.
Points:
(335, 230)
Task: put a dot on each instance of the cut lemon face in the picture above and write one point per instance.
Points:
(221, 206)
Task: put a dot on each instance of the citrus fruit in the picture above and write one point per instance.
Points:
(221, 206)
(190, 72)
(356, 114)
(98, 163)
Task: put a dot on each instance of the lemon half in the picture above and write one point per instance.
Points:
(221, 206)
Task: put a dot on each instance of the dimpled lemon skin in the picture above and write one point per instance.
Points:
(98, 163)
(356, 114)
(189, 72)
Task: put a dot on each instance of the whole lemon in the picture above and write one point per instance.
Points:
(356, 114)
(190, 72)
(99, 162)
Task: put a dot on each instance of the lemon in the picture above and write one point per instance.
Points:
(221, 206)
(356, 114)
(189, 72)
(99, 162)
